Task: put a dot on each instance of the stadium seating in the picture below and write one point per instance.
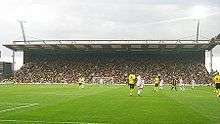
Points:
(66, 68)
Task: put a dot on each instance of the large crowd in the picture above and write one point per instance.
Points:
(68, 68)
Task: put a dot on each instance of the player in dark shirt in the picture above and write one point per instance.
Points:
(173, 84)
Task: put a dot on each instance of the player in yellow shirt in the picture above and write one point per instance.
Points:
(217, 84)
(131, 82)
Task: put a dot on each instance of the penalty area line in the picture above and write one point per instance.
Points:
(55, 122)
(18, 107)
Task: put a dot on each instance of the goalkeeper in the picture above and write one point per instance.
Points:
(131, 82)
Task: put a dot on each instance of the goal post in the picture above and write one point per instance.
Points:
(103, 80)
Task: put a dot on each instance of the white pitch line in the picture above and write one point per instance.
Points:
(14, 103)
(18, 107)
(55, 122)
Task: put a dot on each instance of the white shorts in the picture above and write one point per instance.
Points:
(140, 86)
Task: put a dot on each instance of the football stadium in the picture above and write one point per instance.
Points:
(87, 81)
(109, 62)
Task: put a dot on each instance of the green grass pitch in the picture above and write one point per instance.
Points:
(20, 104)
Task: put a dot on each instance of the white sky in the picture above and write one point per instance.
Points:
(106, 19)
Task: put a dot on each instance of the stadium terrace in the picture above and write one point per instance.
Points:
(64, 61)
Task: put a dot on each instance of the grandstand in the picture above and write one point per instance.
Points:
(62, 61)
(5, 70)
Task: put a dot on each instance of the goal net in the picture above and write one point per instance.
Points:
(103, 80)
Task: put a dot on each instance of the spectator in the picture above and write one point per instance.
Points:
(67, 68)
